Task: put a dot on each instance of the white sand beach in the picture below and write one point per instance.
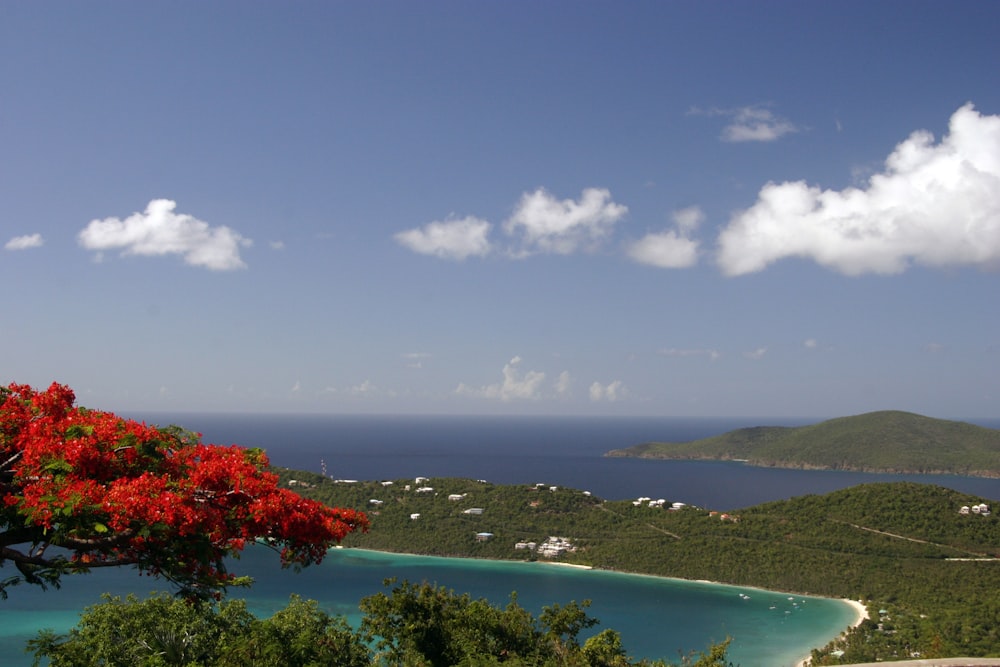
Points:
(861, 614)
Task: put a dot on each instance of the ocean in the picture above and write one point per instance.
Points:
(657, 617)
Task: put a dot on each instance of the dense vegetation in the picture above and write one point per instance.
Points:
(411, 626)
(889, 441)
(903, 548)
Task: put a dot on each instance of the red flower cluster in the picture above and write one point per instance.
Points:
(112, 491)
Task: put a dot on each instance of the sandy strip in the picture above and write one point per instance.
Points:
(860, 615)
(561, 564)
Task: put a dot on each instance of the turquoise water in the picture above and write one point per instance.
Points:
(657, 617)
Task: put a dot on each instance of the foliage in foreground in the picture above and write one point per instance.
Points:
(82, 488)
(411, 626)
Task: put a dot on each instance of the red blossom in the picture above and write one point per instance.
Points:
(118, 491)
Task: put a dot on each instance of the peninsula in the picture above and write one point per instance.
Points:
(886, 441)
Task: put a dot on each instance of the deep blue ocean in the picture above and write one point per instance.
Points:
(657, 617)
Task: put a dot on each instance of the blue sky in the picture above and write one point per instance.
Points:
(640, 208)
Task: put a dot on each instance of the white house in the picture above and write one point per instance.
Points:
(456, 496)
(415, 516)
(473, 510)
(376, 502)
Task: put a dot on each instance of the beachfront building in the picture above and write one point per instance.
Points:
(555, 547)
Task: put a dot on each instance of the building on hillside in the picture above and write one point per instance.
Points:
(484, 537)
(473, 510)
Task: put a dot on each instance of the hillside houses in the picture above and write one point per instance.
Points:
(982, 509)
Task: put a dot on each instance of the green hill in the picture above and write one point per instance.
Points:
(904, 548)
(888, 441)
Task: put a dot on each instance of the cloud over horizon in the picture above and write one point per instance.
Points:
(160, 231)
(934, 204)
(514, 386)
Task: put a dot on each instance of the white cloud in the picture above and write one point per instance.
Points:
(756, 124)
(810, 343)
(515, 385)
(160, 231)
(750, 123)
(24, 242)
(666, 250)
(933, 204)
(564, 384)
(611, 392)
(671, 249)
(548, 225)
(449, 239)
(756, 354)
(712, 355)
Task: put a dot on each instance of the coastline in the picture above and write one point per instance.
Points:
(859, 608)
(861, 615)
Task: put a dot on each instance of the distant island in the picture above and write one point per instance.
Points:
(888, 442)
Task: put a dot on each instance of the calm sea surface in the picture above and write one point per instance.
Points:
(657, 617)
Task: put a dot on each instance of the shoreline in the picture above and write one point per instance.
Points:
(861, 615)
(860, 610)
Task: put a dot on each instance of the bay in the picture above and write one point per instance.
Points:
(657, 617)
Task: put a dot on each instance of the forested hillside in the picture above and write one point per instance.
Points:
(888, 441)
(904, 548)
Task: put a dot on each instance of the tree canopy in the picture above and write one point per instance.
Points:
(83, 488)
(413, 625)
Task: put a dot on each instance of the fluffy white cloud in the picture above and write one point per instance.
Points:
(449, 239)
(611, 392)
(670, 249)
(515, 385)
(546, 224)
(161, 231)
(756, 354)
(933, 204)
(24, 242)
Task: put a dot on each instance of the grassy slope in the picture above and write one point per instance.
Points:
(889, 441)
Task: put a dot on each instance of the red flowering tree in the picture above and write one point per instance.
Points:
(82, 488)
